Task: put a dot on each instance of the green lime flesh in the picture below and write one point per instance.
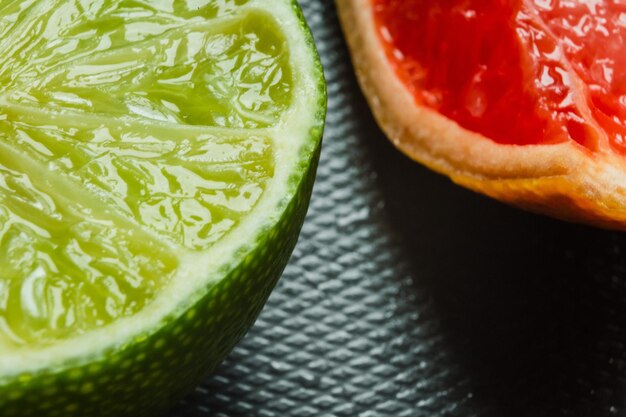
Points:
(156, 162)
(130, 132)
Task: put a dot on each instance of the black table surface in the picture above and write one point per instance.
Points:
(410, 296)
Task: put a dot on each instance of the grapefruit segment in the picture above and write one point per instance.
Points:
(512, 71)
(522, 100)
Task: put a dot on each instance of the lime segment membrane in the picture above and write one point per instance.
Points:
(227, 72)
(131, 132)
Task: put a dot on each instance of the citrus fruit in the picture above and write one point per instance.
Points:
(522, 100)
(156, 162)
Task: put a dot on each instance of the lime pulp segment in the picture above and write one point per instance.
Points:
(130, 132)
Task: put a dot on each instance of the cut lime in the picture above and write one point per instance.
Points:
(156, 161)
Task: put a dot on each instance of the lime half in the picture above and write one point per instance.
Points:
(156, 161)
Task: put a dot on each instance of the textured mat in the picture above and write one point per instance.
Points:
(409, 296)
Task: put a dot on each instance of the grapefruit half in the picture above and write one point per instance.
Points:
(524, 101)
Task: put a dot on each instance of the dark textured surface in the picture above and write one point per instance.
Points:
(409, 296)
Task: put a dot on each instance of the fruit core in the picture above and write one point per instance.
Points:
(518, 72)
